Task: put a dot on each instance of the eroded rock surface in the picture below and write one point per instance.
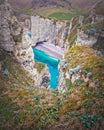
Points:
(14, 36)
(6, 39)
(84, 39)
(44, 29)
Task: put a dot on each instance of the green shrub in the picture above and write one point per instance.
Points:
(39, 66)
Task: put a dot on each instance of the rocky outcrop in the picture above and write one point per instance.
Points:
(44, 29)
(25, 56)
(81, 19)
(14, 37)
(84, 39)
(6, 39)
(97, 18)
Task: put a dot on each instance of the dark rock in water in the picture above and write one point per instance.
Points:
(6, 72)
(45, 81)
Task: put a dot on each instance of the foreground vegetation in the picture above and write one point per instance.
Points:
(24, 106)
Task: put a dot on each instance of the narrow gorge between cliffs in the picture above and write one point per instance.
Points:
(52, 64)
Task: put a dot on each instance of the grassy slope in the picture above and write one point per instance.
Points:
(25, 7)
(48, 9)
(66, 15)
(91, 62)
(17, 73)
(30, 108)
(53, 12)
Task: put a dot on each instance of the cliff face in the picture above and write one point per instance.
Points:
(14, 36)
(85, 40)
(6, 39)
(48, 30)
(42, 29)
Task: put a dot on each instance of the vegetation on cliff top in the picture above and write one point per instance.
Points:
(87, 58)
(65, 15)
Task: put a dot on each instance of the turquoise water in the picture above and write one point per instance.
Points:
(29, 34)
(52, 64)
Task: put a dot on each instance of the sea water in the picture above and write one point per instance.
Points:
(52, 64)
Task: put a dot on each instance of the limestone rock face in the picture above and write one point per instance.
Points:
(81, 19)
(25, 56)
(85, 40)
(26, 40)
(44, 29)
(14, 37)
(62, 83)
(6, 39)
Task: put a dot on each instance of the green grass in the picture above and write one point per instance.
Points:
(39, 66)
(16, 73)
(6, 110)
(62, 15)
(66, 15)
(97, 26)
(26, 11)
